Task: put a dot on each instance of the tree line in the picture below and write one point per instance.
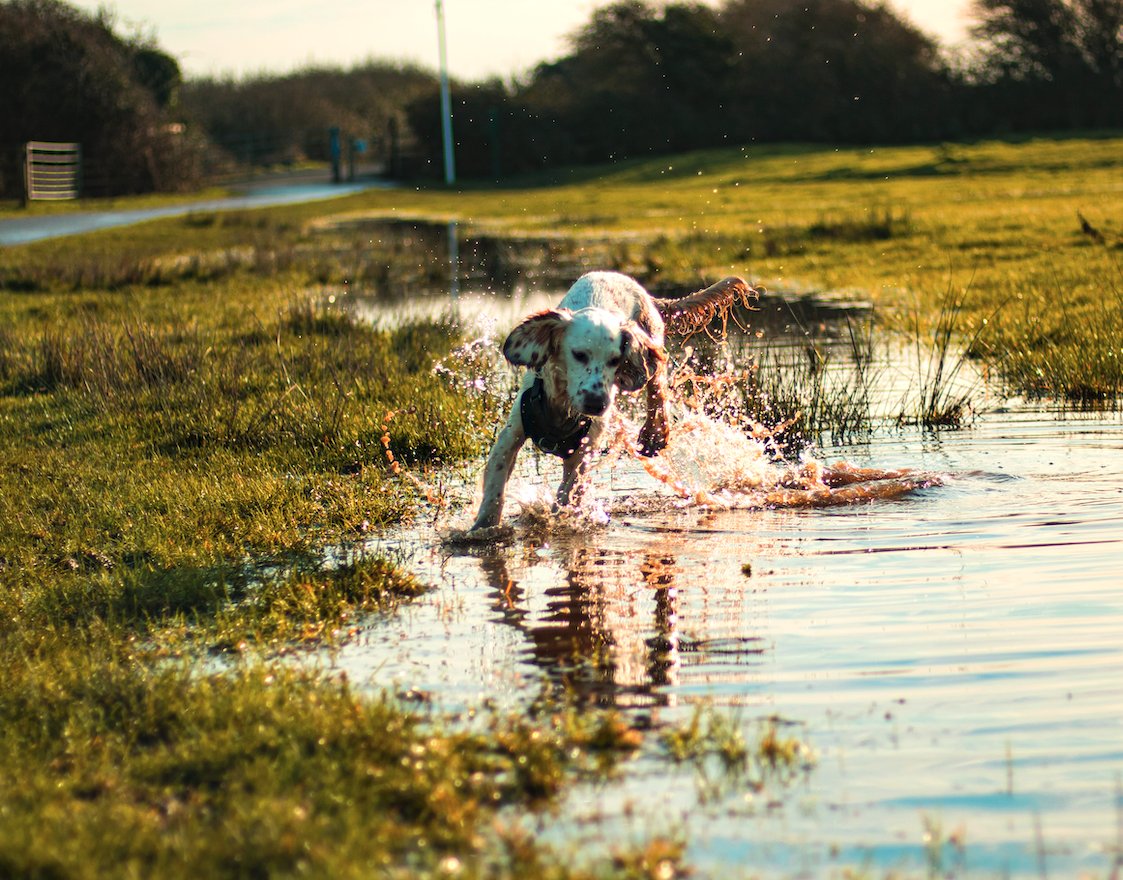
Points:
(639, 78)
(643, 78)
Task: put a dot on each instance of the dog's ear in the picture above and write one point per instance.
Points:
(537, 338)
(640, 358)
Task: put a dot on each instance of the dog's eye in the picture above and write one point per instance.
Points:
(581, 357)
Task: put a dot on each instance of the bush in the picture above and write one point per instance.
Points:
(68, 77)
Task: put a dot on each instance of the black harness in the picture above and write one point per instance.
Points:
(557, 437)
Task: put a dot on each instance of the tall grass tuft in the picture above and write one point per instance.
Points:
(947, 380)
(819, 391)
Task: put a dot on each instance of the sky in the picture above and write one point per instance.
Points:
(485, 38)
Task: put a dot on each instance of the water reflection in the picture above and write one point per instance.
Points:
(585, 637)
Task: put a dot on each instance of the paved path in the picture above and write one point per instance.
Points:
(21, 230)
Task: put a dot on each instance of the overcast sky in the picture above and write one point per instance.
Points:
(485, 37)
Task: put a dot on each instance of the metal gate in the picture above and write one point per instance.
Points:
(53, 171)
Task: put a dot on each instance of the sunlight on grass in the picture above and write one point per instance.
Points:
(190, 420)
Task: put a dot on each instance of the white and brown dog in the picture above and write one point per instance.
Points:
(606, 335)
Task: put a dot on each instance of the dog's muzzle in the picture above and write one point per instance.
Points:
(594, 404)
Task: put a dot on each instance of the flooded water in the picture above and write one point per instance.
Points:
(952, 655)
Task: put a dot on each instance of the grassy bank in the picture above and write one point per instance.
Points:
(1024, 234)
(175, 459)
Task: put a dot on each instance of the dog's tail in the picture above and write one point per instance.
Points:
(689, 314)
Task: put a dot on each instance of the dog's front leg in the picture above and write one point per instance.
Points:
(500, 463)
(655, 433)
(572, 484)
(575, 467)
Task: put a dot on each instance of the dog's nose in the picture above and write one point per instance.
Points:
(593, 404)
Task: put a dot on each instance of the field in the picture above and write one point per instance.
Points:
(187, 424)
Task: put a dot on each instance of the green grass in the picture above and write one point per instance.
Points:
(995, 222)
(186, 423)
(114, 766)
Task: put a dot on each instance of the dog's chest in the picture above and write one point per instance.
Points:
(552, 432)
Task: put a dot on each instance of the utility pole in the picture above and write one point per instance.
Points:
(446, 101)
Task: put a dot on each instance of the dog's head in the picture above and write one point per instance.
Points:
(597, 351)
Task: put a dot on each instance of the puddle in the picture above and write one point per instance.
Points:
(953, 655)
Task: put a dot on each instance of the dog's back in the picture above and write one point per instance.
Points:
(615, 293)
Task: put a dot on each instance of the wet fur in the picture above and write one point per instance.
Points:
(605, 336)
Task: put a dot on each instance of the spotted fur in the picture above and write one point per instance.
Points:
(604, 337)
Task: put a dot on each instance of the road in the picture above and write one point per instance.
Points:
(21, 230)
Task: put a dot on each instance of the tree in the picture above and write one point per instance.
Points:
(834, 70)
(639, 79)
(159, 73)
(1053, 62)
(278, 118)
(65, 76)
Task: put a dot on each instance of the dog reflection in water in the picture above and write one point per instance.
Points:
(607, 629)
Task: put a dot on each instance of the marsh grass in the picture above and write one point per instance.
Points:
(715, 744)
(817, 393)
(791, 390)
(1070, 352)
(114, 767)
(947, 357)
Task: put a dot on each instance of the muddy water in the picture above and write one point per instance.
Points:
(953, 655)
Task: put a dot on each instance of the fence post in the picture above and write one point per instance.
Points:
(335, 150)
(25, 187)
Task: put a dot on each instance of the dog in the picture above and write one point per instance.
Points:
(605, 336)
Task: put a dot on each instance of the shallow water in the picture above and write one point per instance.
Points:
(953, 656)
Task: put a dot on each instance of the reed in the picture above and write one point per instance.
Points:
(946, 358)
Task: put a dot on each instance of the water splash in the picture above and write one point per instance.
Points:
(712, 463)
(719, 456)
(718, 460)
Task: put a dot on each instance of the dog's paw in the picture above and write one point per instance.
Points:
(476, 535)
(652, 444)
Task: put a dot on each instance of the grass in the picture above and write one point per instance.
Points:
(12, 209)
(142, 769)
(179, 455)
(896, 226)
(187, 421)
